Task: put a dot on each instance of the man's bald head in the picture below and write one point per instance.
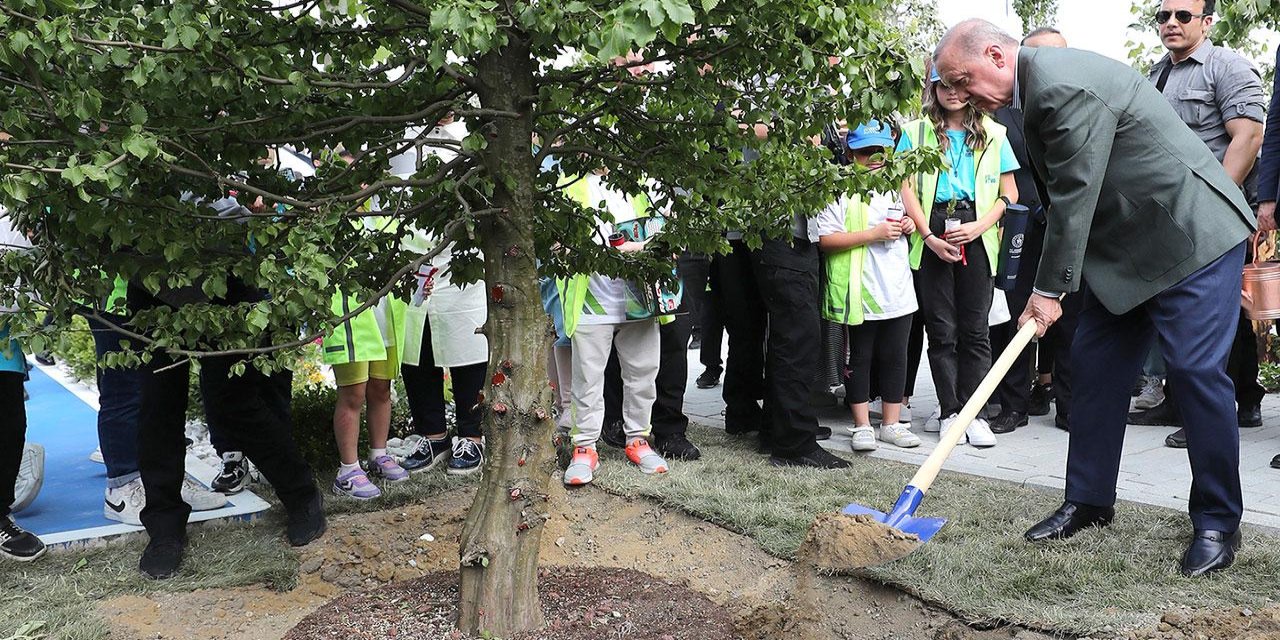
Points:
(977, 58)
(1044, 37)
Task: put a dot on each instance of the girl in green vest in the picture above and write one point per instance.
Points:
(954, 249)
(869, 289)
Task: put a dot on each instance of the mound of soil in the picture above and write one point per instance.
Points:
(577, 604)
(1235, 624)
(841, 543)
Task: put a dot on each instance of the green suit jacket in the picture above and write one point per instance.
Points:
(1137, 201)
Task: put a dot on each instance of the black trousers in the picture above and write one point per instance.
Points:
(424, 388)
(1195, 322)
(880, 346)
(252, 408)
(696, 271)
(673, 366)
(915, 351)
(1014, 391)
(768, 299)
(1242, 365)
(13, 434)
(956, 299)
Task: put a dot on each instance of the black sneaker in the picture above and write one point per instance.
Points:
(708, 380)
(1062, 422)
(1162, 414)
(427, 454)
(468, 457)
(817, 459)
(162, 557)
(1177, 439)
(17, 543)
(823, 433)
(235, 474)
(677, 446)
(695, 342)
(306, 523)
(1040, 396)
(1008, 421)
(614, 434)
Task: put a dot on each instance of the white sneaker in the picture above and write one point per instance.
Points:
(124, 504)
(877, 408)
(933, 424)
(979, 434)
(905, 416)
(864, 438)
(945, 426)
(30, 477)
(899, 435)
(1151, 396)
(96, 456)
(200, 497)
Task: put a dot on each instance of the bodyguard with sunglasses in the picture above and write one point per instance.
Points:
(1219, 95)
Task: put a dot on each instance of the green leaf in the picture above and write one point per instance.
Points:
(74, 175)
(140, 146)
(678, 11)
(188, 36)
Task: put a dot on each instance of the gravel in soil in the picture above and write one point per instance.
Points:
(1228, 624)
(577, 604)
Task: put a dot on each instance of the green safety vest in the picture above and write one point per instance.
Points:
(986, 183)
(573, 291)
(846, 299)
(359, 339)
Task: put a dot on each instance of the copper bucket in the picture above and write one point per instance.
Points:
(1260, 287)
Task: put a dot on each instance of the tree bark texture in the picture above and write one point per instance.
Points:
(499, 550)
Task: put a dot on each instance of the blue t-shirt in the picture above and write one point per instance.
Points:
(959, 180)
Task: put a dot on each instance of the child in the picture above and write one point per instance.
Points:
(600, 315)
(869, 289)
(955, 212)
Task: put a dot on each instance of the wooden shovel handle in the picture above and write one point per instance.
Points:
(929, 470)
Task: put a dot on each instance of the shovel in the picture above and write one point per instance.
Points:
(902, 517)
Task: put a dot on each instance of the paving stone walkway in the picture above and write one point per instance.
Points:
(1150, 473)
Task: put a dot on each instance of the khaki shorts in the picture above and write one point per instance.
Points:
(360, 372)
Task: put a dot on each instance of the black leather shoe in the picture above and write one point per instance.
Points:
(817, 459)
(1062, 422)
(306, 523)
(1210, 551)
(1038, 405)
(823, 433)
(1162, 414)
(708, 379)
(162, 557)
(1177, 439)
(1068, 520)
(1249, 417)
(1275, 462)
(614, 434)
(1008, 421)
(677, 446)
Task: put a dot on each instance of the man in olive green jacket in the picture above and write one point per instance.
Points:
(1146, 223)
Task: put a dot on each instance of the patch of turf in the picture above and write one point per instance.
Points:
(61, 589)
(978, 566)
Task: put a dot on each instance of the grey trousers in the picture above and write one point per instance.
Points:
(638, 354)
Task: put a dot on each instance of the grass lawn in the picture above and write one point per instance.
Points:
(978, 566)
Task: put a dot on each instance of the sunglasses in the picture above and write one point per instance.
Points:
(1182, 15)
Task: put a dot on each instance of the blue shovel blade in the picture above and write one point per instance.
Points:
(900, 517)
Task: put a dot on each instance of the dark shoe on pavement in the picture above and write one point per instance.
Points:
(17, 543)
(306, 523)
(1068, 520)
(1210, 551)
(677, 446)
(162, 557)
(1008, 421)
(45, 358)
(614, 434)
(708, 380)
(817, 459)
(1062, 422)
(1275, 462)
(1041, 394)
(823, 433)
(1249, 417)
(1177, 439)
(695, 342)
(1160, 415)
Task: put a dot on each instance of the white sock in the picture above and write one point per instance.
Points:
(374, 454)
(344, 469)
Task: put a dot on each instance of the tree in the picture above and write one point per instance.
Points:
(126, 115)
(1036, 13)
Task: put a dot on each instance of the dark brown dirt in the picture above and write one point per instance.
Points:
(1228, 624)
(577, 604)
(842, 543)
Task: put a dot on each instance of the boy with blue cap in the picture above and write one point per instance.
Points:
(869, 289)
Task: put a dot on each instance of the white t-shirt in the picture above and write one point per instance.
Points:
(886, 271)
(606, 301)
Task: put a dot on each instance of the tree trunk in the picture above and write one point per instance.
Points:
(500, 538)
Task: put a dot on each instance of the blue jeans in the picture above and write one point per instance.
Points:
(119, 399)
